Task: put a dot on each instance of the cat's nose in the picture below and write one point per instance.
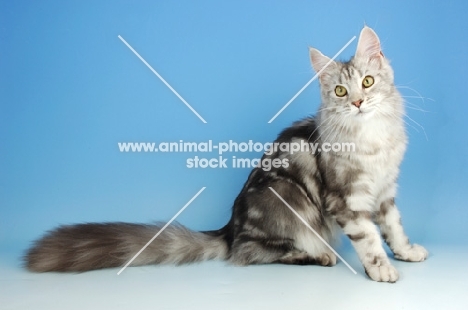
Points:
(357, 103)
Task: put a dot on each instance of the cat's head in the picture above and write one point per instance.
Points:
(361, 88)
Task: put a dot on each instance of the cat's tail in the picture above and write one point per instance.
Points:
(91, 246)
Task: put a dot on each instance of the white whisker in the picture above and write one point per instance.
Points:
(419, 96)
(419, 125)
(318, 126)
(415, 108)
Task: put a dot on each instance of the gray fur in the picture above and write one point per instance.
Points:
(90, 246)
(343, 189)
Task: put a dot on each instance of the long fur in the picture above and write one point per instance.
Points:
(347, 189)
(90, 246)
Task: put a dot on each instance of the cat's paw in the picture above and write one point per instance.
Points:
(415, 253)
(327, 259)
(384, 273)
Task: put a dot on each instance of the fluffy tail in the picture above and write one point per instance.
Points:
(91, 246)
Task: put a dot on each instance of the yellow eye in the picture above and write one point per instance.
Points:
(340, 91)
(368, 81)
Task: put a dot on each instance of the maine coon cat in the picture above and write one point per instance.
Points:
(351, 190)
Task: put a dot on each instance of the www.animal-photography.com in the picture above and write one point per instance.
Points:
(233, 155)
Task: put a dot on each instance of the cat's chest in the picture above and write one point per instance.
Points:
(379, 171)
(379, 150)
(372, 165)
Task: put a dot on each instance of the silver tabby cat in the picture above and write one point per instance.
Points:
(351, 190)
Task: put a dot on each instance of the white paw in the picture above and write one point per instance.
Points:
(384, 273)
(328, 259)
(415, 253)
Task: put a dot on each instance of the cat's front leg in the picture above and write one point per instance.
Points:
(365, 238)
(394, 235)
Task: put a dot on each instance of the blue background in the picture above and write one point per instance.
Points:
(70, 90)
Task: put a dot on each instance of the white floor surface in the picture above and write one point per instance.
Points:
(438, 283)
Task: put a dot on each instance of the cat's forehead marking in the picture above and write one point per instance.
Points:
(347, 72)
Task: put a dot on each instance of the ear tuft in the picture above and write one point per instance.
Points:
(369, 44)
(318, 60)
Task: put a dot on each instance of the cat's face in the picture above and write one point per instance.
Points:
(361, 88)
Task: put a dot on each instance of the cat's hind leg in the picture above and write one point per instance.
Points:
(247, 251)
(304, 258)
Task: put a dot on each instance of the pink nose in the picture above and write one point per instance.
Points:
(357, 103)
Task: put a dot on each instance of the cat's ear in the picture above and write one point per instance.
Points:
(369, 44)
(318, 60)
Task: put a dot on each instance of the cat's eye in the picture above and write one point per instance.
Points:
(368, 81)
(340, 91)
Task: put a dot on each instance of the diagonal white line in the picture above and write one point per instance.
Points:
(308, 226)
(311, 80)
(161, 230)
(162, 79)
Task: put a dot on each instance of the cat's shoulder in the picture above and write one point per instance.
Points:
(302, 129)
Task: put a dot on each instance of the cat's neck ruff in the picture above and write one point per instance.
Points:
(376, 134)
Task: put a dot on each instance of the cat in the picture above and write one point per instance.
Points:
(347, 190)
